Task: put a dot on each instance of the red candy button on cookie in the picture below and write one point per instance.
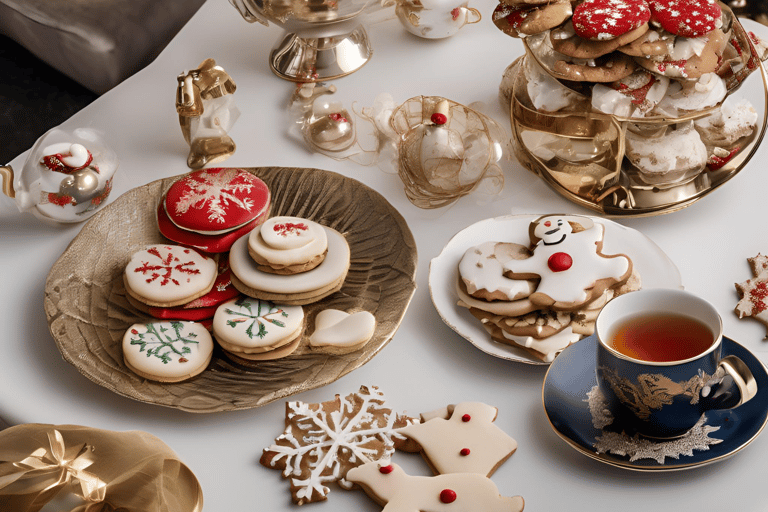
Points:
(687, 18)
(602, 20)
(214, 201)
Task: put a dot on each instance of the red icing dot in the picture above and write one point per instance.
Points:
(439, 118)
(464, 451)
(385, 470)
(466, 418)
(455, 13)
(547, 223)
(183, 360)
(559, 262)
(603, 20)
(687, 18)
(134, 331)
(447, 496)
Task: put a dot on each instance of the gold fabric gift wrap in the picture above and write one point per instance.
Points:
(108, 471)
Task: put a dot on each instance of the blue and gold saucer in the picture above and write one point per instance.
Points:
(566, 402)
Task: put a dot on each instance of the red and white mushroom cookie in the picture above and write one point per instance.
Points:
(525, 19)
(602, 20)
(687, 18)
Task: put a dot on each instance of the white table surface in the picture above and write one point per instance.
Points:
(426, 365)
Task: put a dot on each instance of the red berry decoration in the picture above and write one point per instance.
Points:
(466, 418)
(385, 470)
(439, 118)
(464, 452)
(603, 20)
(687, 18)
(447, 496)
(559, 262)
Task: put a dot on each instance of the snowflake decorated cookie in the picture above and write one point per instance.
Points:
(754, 292)
(323, 441)
(255, 330)
(167, 351)
(462, 439)
(169, 275)
(393, 488)
(288, 245)
(568, 259)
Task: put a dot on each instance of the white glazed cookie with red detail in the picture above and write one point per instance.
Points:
(295, 289)
(339, 332)
(167, 351)
(256, 329)
(323, 441)
(753, 292)
(169, 275)
(393, 488)
(462, 439)
(482, 271)
(288, 245)
(602, 20)
(570, 263)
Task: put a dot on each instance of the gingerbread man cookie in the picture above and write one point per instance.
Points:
(462, 439)
(571, 265)
(393, 488)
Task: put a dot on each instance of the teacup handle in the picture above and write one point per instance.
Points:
(6, 178)
(473, 15)
(732, 385)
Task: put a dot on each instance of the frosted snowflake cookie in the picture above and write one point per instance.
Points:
(257, 330)
(462, 438)
(211, 208)
(339, 332)
(169, 275)
(288, 245)
(167, 351)
(297, 289)
(323, 441)
(754, 292)
(393, 488)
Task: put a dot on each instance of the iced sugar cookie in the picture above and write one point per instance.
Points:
(602, 20)
(167, 351)
(687, 18)
(462, 439)
(296, 289)
(288, 245)
(482, 268)
(338, 332)
(169, 275)
(388, 485)
(256, 329)
(525, 19)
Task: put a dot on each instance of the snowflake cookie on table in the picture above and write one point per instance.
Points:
(323, 441)
(754, 292)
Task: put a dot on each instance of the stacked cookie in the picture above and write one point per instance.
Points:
(546, 296)
(638, 60)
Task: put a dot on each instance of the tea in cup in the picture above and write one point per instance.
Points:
(659, 362)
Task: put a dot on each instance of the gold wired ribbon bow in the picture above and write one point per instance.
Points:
(55, 468)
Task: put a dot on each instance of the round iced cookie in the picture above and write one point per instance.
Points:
(248, 326)
(601, 20)
(169, 275)
(340, 332)
(215, 201)
(167, 351)
(687, 18)
(296, 289)
(288, 245)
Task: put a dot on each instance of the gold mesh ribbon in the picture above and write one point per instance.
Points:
(107, 470)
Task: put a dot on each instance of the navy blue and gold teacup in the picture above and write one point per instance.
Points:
(659, 362)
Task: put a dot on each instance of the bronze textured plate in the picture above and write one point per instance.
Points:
(88, 313)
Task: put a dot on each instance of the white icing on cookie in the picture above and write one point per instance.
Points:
(567, 262)
(482, 270)
(334, 266)
(169, 273)
(467, 442)
(167, 350)
(550, 346)
(340, 329)
(254, 325)
(288, 240)
(388, 484)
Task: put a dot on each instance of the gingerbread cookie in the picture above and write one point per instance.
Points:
(167, 351)
(288, 245)
(650, 44)
(338, 332)
(322, 442)
(581, 48)
(601, 20)
(607, 68)
(686, 18)
(256, 329)
(526, 19)
(704, 60)
(169, 275)
(296, 289)
(462, 439)
(482, 268)
(391, 487)
(753, 293)
(570, 263)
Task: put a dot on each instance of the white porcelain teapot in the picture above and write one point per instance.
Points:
(67, 176)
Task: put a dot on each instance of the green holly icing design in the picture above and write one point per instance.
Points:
(264, 313)
(162, 342)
